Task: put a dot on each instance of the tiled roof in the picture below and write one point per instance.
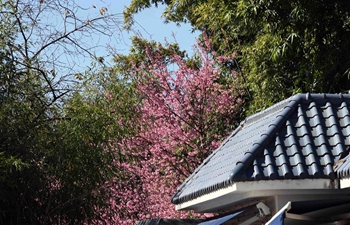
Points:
(300, 137)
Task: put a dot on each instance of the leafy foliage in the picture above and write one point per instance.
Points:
(284, 47)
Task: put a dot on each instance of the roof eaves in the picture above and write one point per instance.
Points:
(342, 167)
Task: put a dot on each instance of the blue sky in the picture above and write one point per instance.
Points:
(150, 24)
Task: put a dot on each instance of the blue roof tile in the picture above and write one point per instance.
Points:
(301, 137)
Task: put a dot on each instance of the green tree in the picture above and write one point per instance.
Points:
(54, 153)
(283, 47)
(97, 119)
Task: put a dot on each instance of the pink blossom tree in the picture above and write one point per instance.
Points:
(187, 107)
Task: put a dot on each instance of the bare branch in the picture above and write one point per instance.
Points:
(56, 35)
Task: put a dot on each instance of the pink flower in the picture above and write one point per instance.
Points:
(184, 113)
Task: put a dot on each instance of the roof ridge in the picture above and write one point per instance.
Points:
(250, 119)
(262, 113)
(267, 136)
